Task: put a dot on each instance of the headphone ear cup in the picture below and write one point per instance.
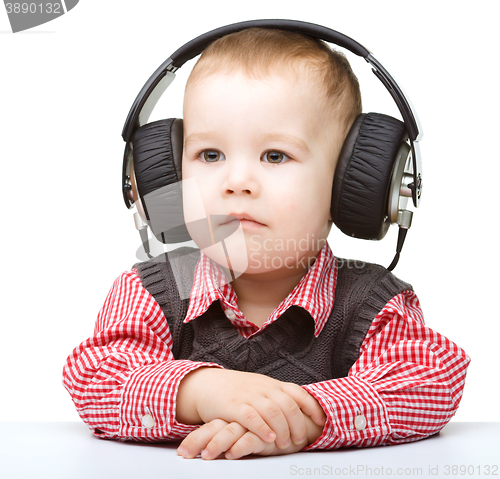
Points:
(157, 150)
(363, 176)
(158, 154)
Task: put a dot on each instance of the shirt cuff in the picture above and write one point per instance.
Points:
(148, 402)
(355, 413)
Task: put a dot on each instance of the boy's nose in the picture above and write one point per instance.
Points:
(247, 191)
(241, 179)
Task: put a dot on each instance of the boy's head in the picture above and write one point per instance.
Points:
(265, 116)
(261, 52)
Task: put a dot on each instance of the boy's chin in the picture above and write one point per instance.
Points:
(229, 259)
(280, 265)
(241, 262)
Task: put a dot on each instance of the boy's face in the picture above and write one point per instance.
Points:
(262, 148)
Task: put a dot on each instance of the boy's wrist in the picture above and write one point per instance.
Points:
(186, 411)
(313, 431)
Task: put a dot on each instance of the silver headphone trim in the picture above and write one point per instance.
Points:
(402, 176)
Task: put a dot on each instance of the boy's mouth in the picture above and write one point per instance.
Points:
(243, 218)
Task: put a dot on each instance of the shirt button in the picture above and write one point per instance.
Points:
(148, 421)
(360, 422)
(230, 314)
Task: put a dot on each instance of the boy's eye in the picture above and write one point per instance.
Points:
(275, 157)
(211, 156)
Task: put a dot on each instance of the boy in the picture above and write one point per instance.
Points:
(268, 363)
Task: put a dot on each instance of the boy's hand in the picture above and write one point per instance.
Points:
(269, 408)
(218, 436)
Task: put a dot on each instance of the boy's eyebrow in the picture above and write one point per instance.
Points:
(268, 137)
(286, 138)
(203, 136)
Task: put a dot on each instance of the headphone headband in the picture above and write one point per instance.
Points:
(152, 91)
(196, 46)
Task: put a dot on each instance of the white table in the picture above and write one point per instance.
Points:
(68, 450)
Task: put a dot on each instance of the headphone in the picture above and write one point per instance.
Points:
(377, 171)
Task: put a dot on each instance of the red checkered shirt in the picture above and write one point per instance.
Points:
(407, 382)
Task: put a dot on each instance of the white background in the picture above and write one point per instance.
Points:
(66, 88)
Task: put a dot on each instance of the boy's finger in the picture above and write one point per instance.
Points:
(274, 416)
(248, 444)
(194, 443)
(250, 419)
(294, 417)
(307, 403)
(223, 440)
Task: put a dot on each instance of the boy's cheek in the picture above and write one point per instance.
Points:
(192, 202)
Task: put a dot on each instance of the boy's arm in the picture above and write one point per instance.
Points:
(126, 384)
(124, 379)
(406, 384)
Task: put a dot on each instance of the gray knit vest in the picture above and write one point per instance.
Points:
(286, 349)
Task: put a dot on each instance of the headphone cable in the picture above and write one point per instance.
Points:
(401, 239)
(145, 241)
(142, 227)
(404, 222)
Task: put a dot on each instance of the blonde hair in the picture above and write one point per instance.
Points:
(262, 51)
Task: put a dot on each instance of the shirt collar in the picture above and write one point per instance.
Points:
(315, 292)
